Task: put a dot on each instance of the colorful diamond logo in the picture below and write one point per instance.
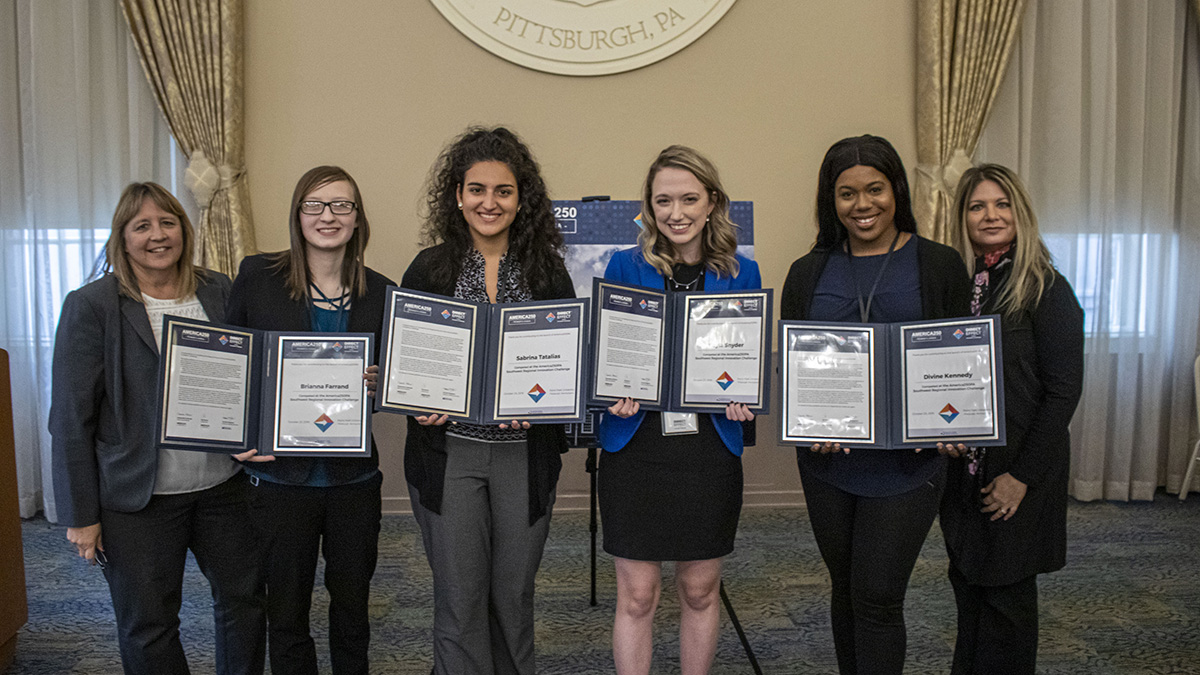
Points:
(642, 304)
(724, 380)
(550, 317)
(638, 220)
(948, 413)
(223, 340)
(337, 346)
(445, 314)
(958, 333)
(537, 393)
(323, 422)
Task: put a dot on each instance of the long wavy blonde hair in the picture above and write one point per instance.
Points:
(1033, 269)
(718, 243)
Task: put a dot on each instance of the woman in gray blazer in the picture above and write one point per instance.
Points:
(135, 509)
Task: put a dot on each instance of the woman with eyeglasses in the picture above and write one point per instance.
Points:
(317, 506)
(135, 509)
(1004, 514)
(483, 495)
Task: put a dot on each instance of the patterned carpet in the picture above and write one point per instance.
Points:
(1128, 602)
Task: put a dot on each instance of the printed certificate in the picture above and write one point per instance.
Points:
(318, 395)
(432, 356)
(830, 384)
(539, 354)
(724, 348)
(900, 385)
(206, 384)
(949, 382)
(630, 342)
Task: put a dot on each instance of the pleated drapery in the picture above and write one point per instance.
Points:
(191, 51)
(962, 50)
(1099, 115)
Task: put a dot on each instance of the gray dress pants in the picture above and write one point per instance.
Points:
(484, 555)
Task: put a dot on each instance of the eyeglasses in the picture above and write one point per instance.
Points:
(338, 208)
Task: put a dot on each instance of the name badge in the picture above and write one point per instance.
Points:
(679, 424)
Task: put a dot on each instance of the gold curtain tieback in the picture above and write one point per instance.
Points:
(944, 177)
(204, 179)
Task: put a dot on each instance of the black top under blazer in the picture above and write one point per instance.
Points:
(425, 449)
(260, 300)
(104, 398)
(1043, 380)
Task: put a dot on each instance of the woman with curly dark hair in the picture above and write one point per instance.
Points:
(482, 495)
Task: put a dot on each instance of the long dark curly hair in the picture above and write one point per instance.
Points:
(533, 238)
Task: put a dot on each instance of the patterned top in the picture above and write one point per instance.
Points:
(510, 287)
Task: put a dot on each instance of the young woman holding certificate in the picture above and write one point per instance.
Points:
(870, 509)
(668, 496)
(482, 495)
(317, 506)
(1004, 514)
(128, 506)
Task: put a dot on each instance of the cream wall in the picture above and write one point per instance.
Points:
(378, 86)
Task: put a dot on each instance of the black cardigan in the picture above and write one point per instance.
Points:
(945, 284)
(425, 448)
(259, 299)
(1043, 380)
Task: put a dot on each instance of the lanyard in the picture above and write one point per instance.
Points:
(864, 309)
(339, 306)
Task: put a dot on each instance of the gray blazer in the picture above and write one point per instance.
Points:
(103, 399)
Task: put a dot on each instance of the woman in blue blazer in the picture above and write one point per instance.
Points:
(670, 496)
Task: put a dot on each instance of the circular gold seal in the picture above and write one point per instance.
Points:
(583, 37)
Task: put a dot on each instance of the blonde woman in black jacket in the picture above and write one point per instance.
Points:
(1004, 514)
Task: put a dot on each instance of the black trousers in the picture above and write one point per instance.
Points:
(997, 627)
(342, 524)
(146, 551)
(870, 545)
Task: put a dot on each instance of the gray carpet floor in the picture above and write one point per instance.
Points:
(1128, 601)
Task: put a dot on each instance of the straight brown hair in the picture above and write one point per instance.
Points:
(294, 261)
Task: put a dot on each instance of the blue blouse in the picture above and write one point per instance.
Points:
(868, 472)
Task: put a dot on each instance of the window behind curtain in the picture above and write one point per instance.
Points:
(78, 122)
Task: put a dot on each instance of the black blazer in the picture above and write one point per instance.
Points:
(425, 447)
(945, 284)
(104, 398)
(259, 300)
(1043, 380)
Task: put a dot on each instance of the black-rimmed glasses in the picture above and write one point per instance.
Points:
(338, 208)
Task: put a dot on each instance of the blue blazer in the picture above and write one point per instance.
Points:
(629, 266)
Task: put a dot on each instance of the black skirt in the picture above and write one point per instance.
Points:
(670, 497)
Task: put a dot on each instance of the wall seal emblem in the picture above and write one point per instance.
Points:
(583, 37)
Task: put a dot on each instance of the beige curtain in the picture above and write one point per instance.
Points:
(191, 51)
(1098, 114)
(962, 50)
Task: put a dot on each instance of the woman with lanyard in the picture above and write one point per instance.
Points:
(666, 495)
(870, 510)
(312, 506)
(1004, 514)
(483, 495)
